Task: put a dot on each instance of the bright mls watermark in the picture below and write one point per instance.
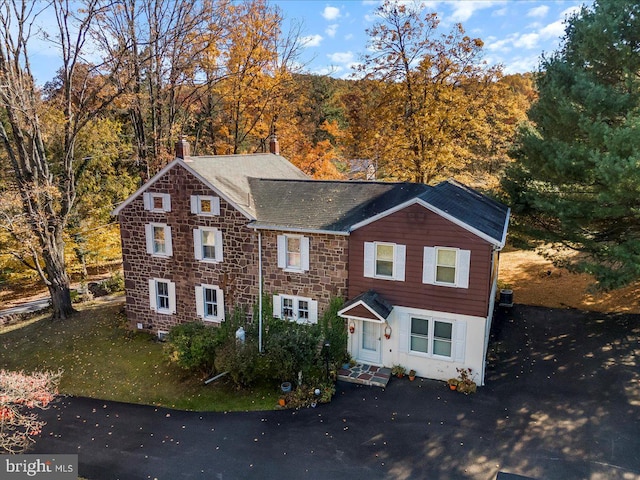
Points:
(42, 467)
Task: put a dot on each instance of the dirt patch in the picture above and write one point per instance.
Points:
(535, 281)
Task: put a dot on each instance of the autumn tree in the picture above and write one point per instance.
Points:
(575, 181)
(258, 60)
(429, 92)
(46, 177)
(158, 46)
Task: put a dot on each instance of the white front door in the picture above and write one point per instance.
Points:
(369, 351)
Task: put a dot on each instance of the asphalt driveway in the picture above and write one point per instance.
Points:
(562, 401)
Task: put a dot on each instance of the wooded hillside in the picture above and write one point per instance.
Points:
(422, 107)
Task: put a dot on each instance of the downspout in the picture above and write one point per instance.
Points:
(259, 291)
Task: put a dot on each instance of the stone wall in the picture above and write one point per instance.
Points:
(236, 275)
(327, 276)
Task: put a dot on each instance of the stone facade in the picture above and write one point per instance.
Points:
(236, 275)
(327, 276)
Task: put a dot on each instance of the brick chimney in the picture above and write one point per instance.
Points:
(183, 150)
(274, 145)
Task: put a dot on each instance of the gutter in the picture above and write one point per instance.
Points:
(281, 228)
(260, 291)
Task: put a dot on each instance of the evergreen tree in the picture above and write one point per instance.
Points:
(575, 181)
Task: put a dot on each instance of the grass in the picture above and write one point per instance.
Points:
(101, 358)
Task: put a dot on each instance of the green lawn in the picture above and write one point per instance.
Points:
(100, 358)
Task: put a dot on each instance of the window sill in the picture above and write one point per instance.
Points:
(293, 270)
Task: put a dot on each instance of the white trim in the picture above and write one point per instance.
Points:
(198, 250)
(399, 259)
(264, 226)
(341, 313)
(196, 205)
(148, 199)
(282, 246)
(430, 267)
(312, 308)
(153, 296)
(458, 327)
(200, 302)
(149, 239)
(498, 243)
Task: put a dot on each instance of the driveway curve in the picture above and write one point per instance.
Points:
(562, 401)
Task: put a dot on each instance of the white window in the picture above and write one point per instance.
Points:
(157, 202)
(210, 303)
(158, 236)
(293, 253)
(205, 205)
(384, 260)
(431, 336)
(162, 296)
(446, 266)
(207, 244)
(295, 309)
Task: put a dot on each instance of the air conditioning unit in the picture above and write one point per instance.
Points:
(506, 298)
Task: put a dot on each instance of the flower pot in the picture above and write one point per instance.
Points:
(412, 377)
(453, 386)
(285, 387)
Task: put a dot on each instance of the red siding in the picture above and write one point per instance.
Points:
(417, 227)
(361, 311)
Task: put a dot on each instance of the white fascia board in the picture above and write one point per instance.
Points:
(443, 214)
(503, 241)
(360, 302)
(280, 228)
(180, 162)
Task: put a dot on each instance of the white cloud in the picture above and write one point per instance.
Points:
(528, 40)
(348, 36)
(464, 9)
(311, 40)
(501, 12)
(331, 30)
(538, 12)
(331, 13)
(341, 57)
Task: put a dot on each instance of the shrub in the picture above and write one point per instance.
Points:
(242, 361)
(305, 395)
(291, 348)
(193, 346)
(115, 283)
(334, 330)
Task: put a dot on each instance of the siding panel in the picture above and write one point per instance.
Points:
(417, 227)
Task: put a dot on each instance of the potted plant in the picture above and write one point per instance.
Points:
(398, 371)
(453, 383)
(412, 374)
(465, 383)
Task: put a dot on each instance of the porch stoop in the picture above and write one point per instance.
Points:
(366, 375)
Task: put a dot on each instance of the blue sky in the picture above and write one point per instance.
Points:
(515, 32)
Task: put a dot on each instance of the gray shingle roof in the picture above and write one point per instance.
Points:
(325, 205)
(230, 173)
(374, 301)
(470, 207)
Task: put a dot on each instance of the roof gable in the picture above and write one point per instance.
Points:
(461, 205)
(376, 307)
(228, 176)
